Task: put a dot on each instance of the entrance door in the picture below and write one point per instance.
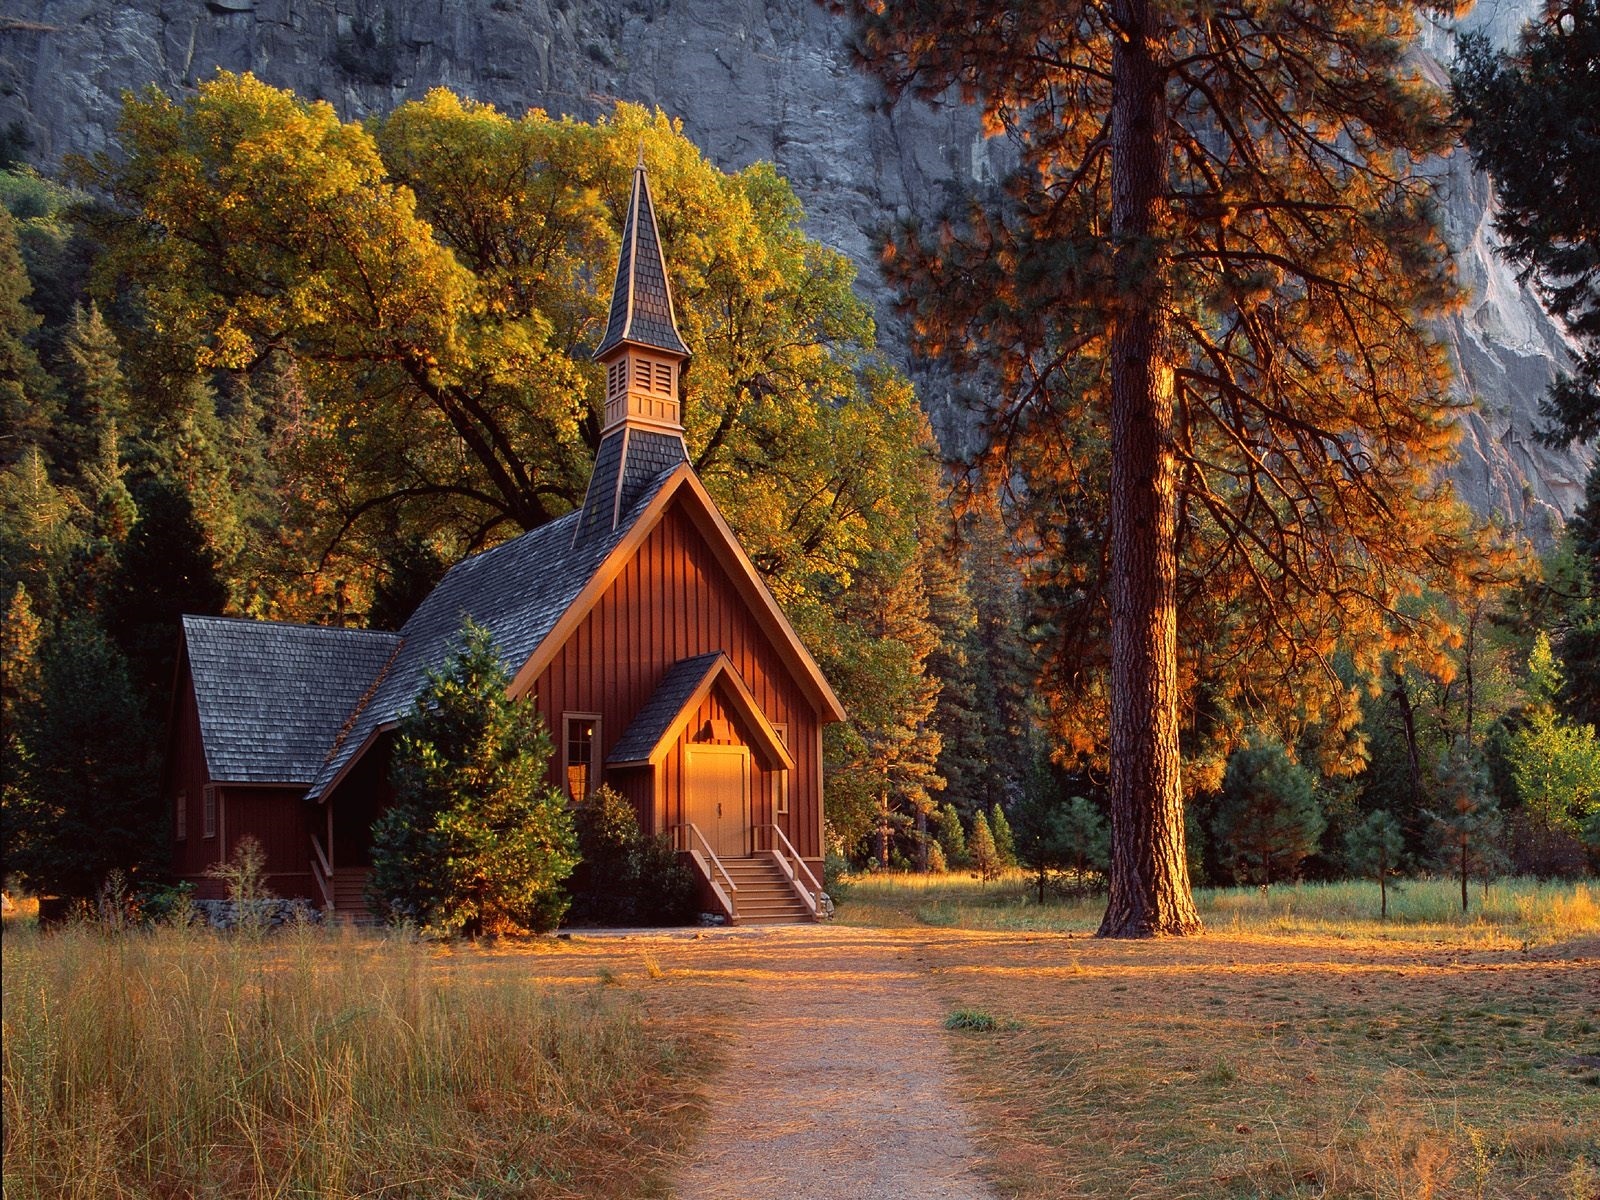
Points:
(717, 782)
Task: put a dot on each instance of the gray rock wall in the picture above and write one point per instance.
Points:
(751, 79)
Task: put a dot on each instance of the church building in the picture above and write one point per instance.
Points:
(636, 625)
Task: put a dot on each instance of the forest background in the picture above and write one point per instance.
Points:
(274, 364)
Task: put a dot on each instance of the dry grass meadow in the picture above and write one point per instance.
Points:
(1296, 1049)
(1299, 1048)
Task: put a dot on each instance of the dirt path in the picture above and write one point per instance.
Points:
(834, 1081)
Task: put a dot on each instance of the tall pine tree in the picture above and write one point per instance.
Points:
(1200, 297)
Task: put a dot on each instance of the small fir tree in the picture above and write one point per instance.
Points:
(1373, 850)
(1005, 843)
(981, 848)
(477, 840)
(1055, 835)
(1269, 820)
(952, 839)
(1466, 823)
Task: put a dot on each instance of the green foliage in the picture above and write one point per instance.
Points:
(1005, 845)
(80, 799)
(1555, 765)
(951, 837)
(623, 877)
(981, 850)
(1372, 849)
(1466, 819)
(1269, 820)
(477, 840)
(1057, 833)
(166, 569)
(1530, 125)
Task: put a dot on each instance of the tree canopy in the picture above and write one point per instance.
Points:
(1530, 116)
(1199, 304)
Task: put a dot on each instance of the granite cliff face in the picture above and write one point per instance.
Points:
(751, 79)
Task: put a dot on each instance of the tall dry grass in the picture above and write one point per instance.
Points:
(313, 1063)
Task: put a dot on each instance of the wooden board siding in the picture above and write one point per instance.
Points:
(279, 818)
(275, 815)
(186, 775)
(672, 601)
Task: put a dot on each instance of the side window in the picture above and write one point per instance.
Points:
(208, 816)
(180, 816)
(580, 743)
(780, 779)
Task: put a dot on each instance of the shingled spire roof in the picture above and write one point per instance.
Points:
(641, 300)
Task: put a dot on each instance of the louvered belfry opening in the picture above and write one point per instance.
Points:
(644, 355)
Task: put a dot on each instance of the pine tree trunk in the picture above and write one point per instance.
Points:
(1149, 871)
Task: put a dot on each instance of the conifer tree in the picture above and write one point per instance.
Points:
(95, 401)
(951, 837)
(1005, 845)
(1530, 125)
(981, 849)
(1466, 819)
(1199, 299)
(85, 802)
(28, 397)
(477, 840)
(1373, 849)
(1269, 820)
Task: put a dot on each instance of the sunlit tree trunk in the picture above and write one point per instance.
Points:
(1149, 871)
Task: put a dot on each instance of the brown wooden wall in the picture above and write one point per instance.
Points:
(673, 601)
(186, 775)
(276, 816)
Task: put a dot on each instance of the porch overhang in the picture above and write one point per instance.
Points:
(658, 725)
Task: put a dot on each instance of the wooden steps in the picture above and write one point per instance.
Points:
(764, 896)
(350, 896)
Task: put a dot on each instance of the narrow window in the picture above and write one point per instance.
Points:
(208, 811)
(582, 735)
(664, 378)
(780, 779)
(615, 381)
(641, 374)
(180, 817)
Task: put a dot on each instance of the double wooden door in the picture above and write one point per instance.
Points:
(717, 796)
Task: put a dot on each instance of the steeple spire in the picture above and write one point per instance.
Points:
(642, 349)
(643, 354)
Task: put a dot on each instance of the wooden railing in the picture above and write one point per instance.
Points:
(322, 872)
(688, 838)
(796, 872)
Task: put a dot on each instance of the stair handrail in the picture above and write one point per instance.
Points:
(700, 860)
(783, 850)
(322, 872)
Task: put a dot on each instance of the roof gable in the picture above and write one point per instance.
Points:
(683, 486)
(518, 591)
(683, 688)
(272, 697)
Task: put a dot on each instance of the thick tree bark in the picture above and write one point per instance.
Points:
(1149, 869)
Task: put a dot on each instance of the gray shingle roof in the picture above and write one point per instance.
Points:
(641, 298)
(650, 724)
(626, 464)
(518, 591)
(272, 697)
